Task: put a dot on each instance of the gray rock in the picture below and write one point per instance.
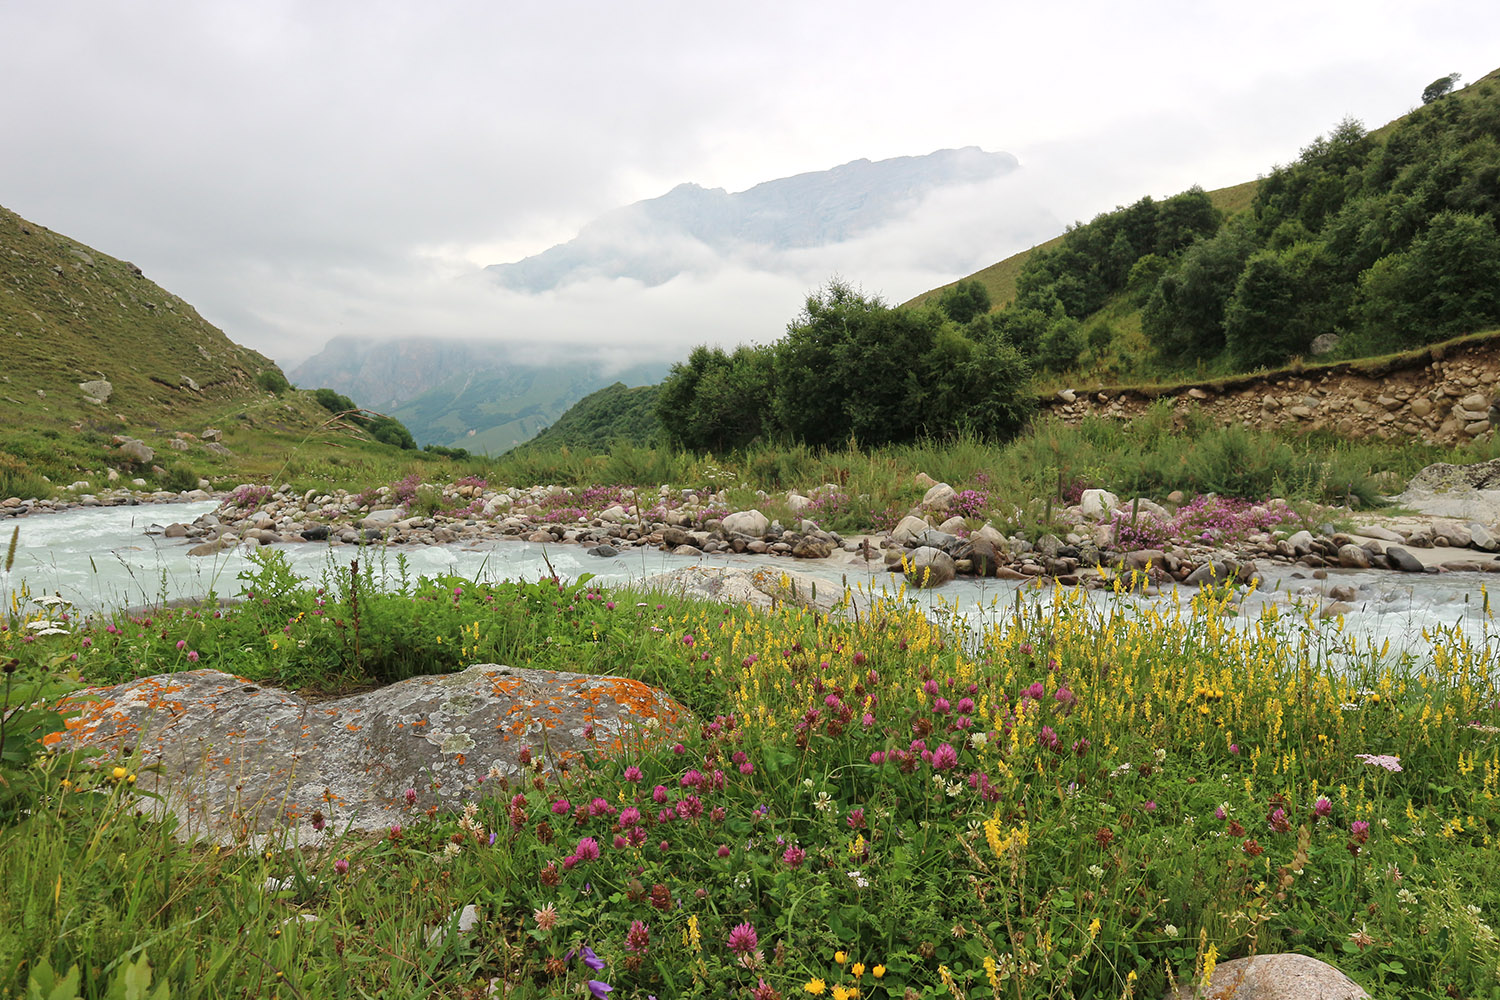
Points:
(812, 548)
(746, 522)
(238, 759)
(135, 450)
(1403, 560)
(1376, 531)
(211, 434)
(604, 551)
(381, 518)
(1354, 557)
(1048, 546)
(1324, 343)
(939, 497)
(97, 389)
(673, 537)
(1219, 571)
(1275, 977)
(1301, 542)
(1481, 538)
(1096, 505)
(981, 555)
(315, 532)
(926, 566)
(937, 539)
(908, 528)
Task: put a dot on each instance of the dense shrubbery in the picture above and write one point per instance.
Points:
(851, 368)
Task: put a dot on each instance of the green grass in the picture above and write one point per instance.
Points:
(1157, 790)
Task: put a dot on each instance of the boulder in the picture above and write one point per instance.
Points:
(211, 434)
(981, 555)
(232, 759)
(135, 450)
(937, 539)
(97, 390)
(672, 537)
(1274, 977)
(1481, 538)
(812, 548)
(380, 518)
(926, 566)
(1354, 557)
(604, 551)
(1403, 560)
(1096, 505)
(746, 522)
(939, 497)
(908, 529)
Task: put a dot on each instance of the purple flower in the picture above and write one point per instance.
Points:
(944, 757)
(586, 954)
(341, 866)
(742, 939)
(794, 856)
(1323, 808)
(598, 989)
(411, 796)
(633, 774)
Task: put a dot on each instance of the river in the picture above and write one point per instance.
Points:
(103, 559)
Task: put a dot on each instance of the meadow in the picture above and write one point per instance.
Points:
(1067, 804)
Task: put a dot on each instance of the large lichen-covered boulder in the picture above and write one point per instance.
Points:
(1284, 976)
(232, 759)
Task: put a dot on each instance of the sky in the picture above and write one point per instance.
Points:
(300, 171)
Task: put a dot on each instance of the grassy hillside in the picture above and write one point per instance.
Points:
(70, 314)
(614, 414)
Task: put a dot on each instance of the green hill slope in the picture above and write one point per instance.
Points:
(1369, 242)
(71, 315)
(614, 414)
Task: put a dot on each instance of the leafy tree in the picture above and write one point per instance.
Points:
(1439, 87)
(963, 301)
(1445, 284)
(716, 401)
(1061, 345)
(981, 387)
(1184, 318)
(389, 430)
(332, 401)
(1184, 218)
(808, 403)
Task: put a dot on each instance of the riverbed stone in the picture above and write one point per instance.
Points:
(1403, 560)
(1354, 557)
(908, 528)
(746, 522)
(1283, 976)
(232, 759)
(926, 566)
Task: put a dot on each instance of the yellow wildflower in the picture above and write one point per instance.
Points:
(814, 986)
(878, 971)
(841, 957)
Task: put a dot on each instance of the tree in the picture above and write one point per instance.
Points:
(963, 301)
(1184, 318)
(809, 395)
(1439, 87)
(717, 402)
(1445, 284)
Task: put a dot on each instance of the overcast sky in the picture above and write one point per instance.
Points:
(299, 171)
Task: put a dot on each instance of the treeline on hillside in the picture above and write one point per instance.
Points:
(851, 368)
(1389, 241)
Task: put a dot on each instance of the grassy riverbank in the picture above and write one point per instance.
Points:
(1064, 807)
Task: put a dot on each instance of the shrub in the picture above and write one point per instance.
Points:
(272, 381)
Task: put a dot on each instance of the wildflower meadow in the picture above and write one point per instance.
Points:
(1066, 802)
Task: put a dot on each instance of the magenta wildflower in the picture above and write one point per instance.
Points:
(411, 796)
(638, 938)
(944, 757)
(587, 849)
(341, 866)
(1323, 808)
(742, 939)
(1360, 831)
(633, 774)
(794, 856)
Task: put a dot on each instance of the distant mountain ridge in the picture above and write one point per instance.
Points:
(459, 393)
(691, 227)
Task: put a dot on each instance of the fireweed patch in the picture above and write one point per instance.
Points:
(1062, 805)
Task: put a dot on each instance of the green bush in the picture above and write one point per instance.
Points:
(272, 381)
